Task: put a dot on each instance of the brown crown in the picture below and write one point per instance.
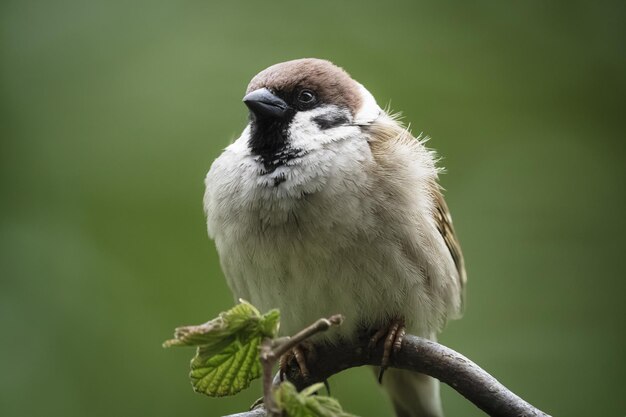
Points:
(332, 84)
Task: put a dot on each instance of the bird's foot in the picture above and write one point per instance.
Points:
(393, 335)
(303, 354)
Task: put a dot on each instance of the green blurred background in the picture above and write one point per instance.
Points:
(112, 111)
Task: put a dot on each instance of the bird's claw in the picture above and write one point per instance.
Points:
(393, 334)
(302, 354)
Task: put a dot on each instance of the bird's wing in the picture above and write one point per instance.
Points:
(386, 132)
(445, 227)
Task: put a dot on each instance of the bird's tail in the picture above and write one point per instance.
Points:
(413, 394)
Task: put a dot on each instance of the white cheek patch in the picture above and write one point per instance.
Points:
(369, 110)
(305, 132)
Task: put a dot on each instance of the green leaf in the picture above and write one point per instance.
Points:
(306, 403)
(227, 325)
(227, 372)
(227, 358)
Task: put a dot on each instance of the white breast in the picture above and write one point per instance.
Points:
(313, 245)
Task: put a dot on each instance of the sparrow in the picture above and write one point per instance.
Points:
(327, 204)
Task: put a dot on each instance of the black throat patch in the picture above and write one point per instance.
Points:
(269, 139)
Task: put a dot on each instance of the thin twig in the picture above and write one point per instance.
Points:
(317, 327)
(272, 350)
(268, 359)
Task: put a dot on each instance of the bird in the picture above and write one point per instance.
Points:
(326, 203)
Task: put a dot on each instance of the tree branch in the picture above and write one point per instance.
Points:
(419, 355)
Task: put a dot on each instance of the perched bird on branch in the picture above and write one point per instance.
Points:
(327, 204)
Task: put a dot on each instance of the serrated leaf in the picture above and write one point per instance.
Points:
(306, 403)
(215, 331)
(227, 372)
(227, 358)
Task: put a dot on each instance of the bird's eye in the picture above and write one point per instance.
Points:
(306, 97)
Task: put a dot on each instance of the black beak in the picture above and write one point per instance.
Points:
(265, 105)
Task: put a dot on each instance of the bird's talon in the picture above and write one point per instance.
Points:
(393, 342)
(282, 367)
(397, 344)
(376, 337)
(298, 353)
(327, 385)
(303, 354)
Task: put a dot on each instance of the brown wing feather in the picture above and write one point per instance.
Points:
(445, 227)
(385, 133)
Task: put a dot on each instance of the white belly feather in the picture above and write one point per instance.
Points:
(318, 243)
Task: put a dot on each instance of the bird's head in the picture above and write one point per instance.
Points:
(304, 103)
